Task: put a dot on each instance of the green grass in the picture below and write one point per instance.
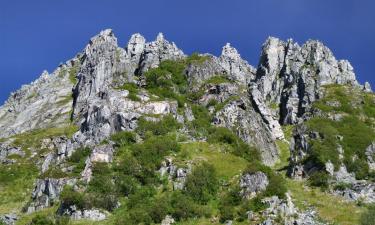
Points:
(73, 71)
(195, 58)
(16, 184)
(33, 138)
(218, 79)
(226, 165)
(330, 208)
(133, 91)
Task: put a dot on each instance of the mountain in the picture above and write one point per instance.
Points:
(146, 134)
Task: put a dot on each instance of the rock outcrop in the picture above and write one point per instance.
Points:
(46, 192)
(291, 76)
(252, 184)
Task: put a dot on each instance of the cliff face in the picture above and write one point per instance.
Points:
(106, 90)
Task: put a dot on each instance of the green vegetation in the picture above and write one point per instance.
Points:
(239, 148)
(195, 58)
(330, 208)
(218, 79)
(33, 138)
(133, 91)
(368, 217)
(202, 183)
(73, 71)
(16, 183)
(355, 128)
(165, 125)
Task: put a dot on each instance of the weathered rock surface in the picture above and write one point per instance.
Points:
(9, 219)
(289, 214)
(370, 153)
(87, 214)
(46, 192)
(7, 151)
(252, 184)
(291, 76)
(239, 116)
(46, 102)
(358, 191)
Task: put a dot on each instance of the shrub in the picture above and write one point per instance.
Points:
(78, 159)
(101, 182)
(240, 148)
(168, 80)
(71, 197)
(227, 204)
(165, 125)
(218, 79)
(41, 220)
(150, 154)
(123, 138)
(202, 183)
(195, 58)
(183, 206)
(133, 91)
(319, 179)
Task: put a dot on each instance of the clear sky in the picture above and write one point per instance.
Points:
(39, 34)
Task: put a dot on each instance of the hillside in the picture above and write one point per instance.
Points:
(146, 134)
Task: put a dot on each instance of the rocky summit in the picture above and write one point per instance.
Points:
(145, 134)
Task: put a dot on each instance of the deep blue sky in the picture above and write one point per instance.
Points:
(39, 34)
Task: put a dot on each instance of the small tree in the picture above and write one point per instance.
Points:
(202, 183)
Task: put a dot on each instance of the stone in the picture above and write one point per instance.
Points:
(86, 214)
(367, 87)
(9, 219)
(370, 153)
(252, 184)
(47, 191)
(168, 220)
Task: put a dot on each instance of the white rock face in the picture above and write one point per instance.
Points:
(252, 184)
(370, 153)
(46, 102)
(237, 68)
(291, 76)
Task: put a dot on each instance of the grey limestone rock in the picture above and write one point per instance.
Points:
(47, 191)
(252, 184)
(370, 153)
(9, 219)
(240, 116)
(291, 76)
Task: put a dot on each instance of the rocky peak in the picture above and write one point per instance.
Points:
(157, 51)
(237, 68)
(230, 52)
(96, 71)
(136, 46)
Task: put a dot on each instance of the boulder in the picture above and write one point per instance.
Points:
(252, 184)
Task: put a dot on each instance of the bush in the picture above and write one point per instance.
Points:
(133, 91)
(228, 203)
(71, 197)
(78, 159)
(165, 125)
(319, 179)
(123, 138)
(41, 220)
(240, 148)
(151, 153)
(202, 183)
(183, 206)
(368, 217)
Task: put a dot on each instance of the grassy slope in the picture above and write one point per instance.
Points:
(17, 180)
